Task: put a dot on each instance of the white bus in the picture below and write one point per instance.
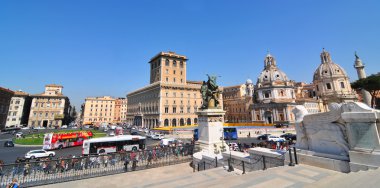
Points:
(113, 144)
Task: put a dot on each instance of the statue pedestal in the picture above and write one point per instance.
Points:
(210, 131)
(363, 137)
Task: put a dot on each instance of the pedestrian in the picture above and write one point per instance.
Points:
(134, 161)
(239, 146)
(14, 184)
(126, 163)
(26, 169)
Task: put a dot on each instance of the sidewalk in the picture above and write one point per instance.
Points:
(183, 176)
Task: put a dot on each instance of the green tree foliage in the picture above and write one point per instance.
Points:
(370, 84)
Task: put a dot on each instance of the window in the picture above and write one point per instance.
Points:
(266, 94)
(181, 110)
(181, 72)
(167, 71)
(174, 80)
(174, 63)
(167, 79)
(174, 110)
(188, 109)
(167, 62)
(166, 110)
(166, 94)
(342, 85)
(328, 85)
(181, 64)
(173, 71)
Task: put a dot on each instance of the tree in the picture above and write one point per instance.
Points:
(370, 84)
(73, 114)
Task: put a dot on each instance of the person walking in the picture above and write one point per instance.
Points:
(14, 184)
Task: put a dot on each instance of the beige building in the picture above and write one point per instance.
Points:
(237, 101)
(123, 110)
(19, 109)
(170, 99)
(49, 109)
(306, 96)
(5, 98)
(332, 82)
(99, 110)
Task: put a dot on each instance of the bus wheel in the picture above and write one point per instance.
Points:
(134, 148)
(102, 151)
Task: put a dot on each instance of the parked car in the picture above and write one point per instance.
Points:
(134, 133)
(263, 137)
(289, 136)
(64, 127)
(19, 134)
(33, 154)
(8, 144)
(157, 137)
(275, 139)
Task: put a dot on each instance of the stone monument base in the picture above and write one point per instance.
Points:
(313, 159)
(364, 160)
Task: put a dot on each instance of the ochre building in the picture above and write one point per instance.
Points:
(236, 102)
(99, 110)
(170, 99)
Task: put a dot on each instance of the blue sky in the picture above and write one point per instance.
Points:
(96, 48)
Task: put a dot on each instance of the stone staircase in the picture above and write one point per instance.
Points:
(369, 178)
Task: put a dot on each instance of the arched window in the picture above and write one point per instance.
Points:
(181, 122)
(166, 122)
(195, 120)
(188, 121)
(174, 123)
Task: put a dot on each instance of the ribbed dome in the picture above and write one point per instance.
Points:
(271, 72)
(328, 69)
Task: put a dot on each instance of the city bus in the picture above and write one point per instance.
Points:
(228, 134)
(65, 139)
(113, 144)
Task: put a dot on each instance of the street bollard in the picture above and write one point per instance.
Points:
(295, 155)
(204, 165)
(198, 167)
(291, 158)
(216, 162)
(243, 168)
(264, 164)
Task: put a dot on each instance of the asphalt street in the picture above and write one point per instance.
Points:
(10, 154)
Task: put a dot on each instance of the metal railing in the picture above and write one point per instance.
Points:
(48, 171)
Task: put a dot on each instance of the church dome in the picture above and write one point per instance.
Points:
(248, 82)
(271, 73)
(328, 69)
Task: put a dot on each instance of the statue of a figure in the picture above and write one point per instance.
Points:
(210, 93)
(204, 95)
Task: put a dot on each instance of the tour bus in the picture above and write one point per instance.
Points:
(113, 144)
(228, 134)
(65, 139)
